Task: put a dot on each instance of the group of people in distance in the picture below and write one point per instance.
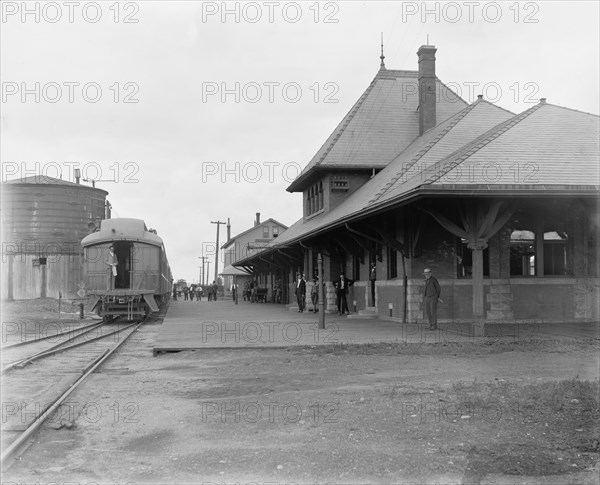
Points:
(431, 294)
(196, 291)
(341, 285)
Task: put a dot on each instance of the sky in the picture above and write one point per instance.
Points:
(192, 112)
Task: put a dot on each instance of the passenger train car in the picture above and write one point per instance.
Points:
(141, 280)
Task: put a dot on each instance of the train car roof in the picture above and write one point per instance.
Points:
(122, 230)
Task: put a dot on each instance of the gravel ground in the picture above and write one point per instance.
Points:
(495, 412)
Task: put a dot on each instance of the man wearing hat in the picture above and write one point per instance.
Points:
(342, 285)
(431, 295)
(300, 292)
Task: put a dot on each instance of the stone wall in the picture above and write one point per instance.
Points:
(387, 292)
(587, 299)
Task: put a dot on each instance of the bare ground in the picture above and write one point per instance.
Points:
(482, 412)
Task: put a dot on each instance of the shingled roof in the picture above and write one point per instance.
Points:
(546, 147)
(382, 123)
(483, 149)
(436, 143)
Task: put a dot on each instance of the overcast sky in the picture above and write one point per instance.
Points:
(226, 102)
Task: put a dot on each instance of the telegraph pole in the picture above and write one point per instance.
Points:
(203, 258)
(218, 223)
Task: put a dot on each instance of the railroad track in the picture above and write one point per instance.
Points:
(34, 389)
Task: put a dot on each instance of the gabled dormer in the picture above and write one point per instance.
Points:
(326, 192)
(396, 108)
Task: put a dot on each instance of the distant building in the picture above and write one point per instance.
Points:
(44, 220)
(250, 242)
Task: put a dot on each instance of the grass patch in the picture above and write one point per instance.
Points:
(476, 346)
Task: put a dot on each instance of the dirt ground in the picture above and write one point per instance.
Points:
(488, 412)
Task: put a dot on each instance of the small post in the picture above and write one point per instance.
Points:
(81, 311)
(321, 292)
(354, 305)
(235, 288)
(59, 302)
(391, 307)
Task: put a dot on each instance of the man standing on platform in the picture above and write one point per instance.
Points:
(300, 292)
(431, 295)
(341, 288)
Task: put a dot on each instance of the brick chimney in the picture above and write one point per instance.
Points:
(257, 221)
(228, 229)
(427, 86)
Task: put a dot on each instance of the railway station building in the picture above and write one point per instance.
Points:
(502, 207)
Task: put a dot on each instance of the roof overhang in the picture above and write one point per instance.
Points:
(466, 190)
(232, 271)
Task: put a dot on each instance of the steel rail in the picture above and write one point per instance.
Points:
(96, 324)
(42, 417)
(55, 350)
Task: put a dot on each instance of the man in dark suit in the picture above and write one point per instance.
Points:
(431, 296)
(341, 289)
(300, 292)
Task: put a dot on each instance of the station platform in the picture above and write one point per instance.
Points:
(193, 325)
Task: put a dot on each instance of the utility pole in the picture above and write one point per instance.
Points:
(203, 258)
(218, 223)
(207, 270)
(322, 305)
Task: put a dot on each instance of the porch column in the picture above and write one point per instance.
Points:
(477, 248)
(539, 248)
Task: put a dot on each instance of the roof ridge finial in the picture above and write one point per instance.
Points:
(382, 57)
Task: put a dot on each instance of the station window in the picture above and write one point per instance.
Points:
(314, 198)
(275, 231)
(266, 232)
(556, 253)
(392, 263)
(522, 253)
(357, 262)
